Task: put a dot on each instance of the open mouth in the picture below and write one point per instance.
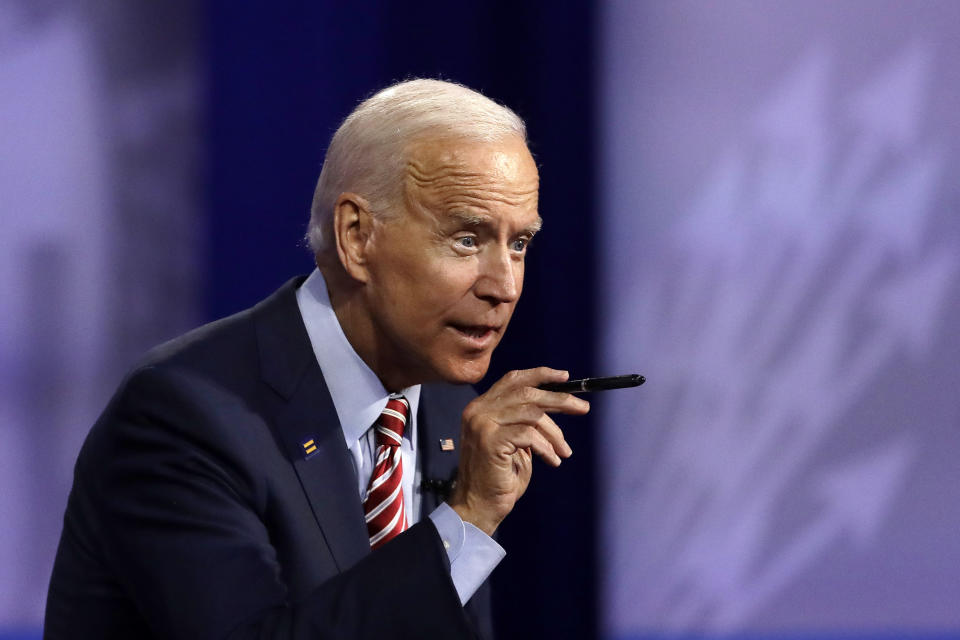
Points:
(476, 332)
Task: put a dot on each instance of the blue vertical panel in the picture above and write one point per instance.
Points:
(781, 257)
(281, 79)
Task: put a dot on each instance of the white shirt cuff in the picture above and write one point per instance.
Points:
(473, 554)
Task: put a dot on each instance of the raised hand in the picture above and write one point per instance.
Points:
(501, 430)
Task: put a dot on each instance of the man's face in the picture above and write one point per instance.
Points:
(447, 270)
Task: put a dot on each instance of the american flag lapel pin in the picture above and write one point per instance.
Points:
(446, 444)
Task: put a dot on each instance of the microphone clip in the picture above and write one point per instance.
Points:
(441, 488)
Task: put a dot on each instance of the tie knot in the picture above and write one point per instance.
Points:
(392, 421)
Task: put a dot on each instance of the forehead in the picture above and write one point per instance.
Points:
(443, 164)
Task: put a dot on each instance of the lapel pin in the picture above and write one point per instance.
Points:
(309, 447)
(446, 444)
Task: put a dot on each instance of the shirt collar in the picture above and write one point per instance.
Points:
(358, 395)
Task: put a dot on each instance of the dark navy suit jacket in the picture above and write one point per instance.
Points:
(196, 512)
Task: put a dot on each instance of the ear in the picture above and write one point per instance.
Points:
(352, 228)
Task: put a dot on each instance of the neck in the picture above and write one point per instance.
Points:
(350, 307)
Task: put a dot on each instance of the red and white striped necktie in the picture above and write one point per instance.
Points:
(383, 504)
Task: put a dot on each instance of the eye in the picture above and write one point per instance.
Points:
(467, 242)
(519, 244)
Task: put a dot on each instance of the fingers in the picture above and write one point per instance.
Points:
(528, 437)
(532, 415)
(547, 401)
(554, 436)
(515, 413)
(529, 378)
(557, 402)
(516, 400)
(521, 387)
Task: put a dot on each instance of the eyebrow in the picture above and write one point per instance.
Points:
(474, 220)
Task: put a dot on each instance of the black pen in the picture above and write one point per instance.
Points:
(595, 384)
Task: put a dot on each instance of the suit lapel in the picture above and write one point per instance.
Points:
(305, 413)
(436, 421)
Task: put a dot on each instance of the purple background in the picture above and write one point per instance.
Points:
(780, 255)
(99, 122)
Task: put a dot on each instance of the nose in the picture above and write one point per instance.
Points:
(501, 277)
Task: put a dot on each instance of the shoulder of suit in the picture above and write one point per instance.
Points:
(223, 348)
(447, 397)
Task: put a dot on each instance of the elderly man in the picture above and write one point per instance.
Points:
(284, 472)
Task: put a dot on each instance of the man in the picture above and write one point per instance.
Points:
(237, 482)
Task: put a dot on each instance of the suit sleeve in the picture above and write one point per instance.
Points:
(178, 516)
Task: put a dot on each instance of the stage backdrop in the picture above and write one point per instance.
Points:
(780, 255)
(99, 120)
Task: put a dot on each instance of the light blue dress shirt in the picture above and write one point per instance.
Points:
(359, 397)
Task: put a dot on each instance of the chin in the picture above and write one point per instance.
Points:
(465, 372)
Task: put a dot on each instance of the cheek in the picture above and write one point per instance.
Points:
(421, 288)
(446, 283)
(402, 277)
(419, 296)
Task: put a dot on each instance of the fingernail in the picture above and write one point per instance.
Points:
(569, 450)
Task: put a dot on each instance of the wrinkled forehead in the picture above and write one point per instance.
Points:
(444, 161)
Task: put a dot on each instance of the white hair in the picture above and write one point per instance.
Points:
(368, 153)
